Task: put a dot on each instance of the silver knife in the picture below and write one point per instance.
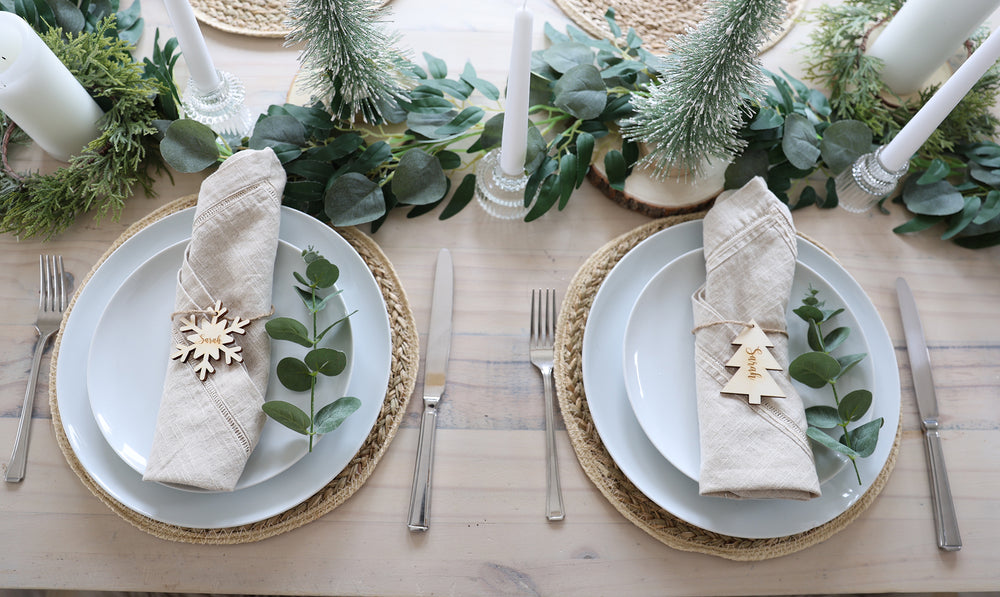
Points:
(435, 367)
(923, 385)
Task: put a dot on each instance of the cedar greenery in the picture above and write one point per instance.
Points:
(107, 171)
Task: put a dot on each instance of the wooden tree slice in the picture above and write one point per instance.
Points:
(648, 194)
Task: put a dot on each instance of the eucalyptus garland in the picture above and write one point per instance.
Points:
(106, 172)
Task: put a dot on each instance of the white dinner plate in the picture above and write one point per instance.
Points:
(642, 463)
(369, 380)
(131, 348)
(660, 369)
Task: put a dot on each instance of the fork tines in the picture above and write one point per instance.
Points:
(543, 313)
(51, 283)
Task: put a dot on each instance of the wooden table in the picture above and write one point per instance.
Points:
(488, 533)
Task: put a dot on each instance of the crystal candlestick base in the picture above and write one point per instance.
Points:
(498, 193)
(222, 109)
(862, 185)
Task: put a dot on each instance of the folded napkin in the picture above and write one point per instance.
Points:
(206, 429)
(748, 451)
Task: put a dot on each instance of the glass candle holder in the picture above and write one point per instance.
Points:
(498, 193)
(223, 108)
(866, 182)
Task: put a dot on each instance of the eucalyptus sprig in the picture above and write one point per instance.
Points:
(818, 369)
(301, 375)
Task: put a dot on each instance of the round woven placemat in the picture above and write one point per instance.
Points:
(402, 379)
(254, 18)
(601, 468)
(656, 21)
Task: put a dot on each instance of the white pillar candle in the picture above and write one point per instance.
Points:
(40, 94)
(922, 36)
(514, 143)
(897, 153)
(192, 44)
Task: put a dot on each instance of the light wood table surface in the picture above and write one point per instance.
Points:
(488, 532)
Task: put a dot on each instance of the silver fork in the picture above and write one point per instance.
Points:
(51, 304)
(542, 351)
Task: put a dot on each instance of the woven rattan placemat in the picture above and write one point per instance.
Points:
(601, 468)
(254, 18)
(402, 378)
(656, 21)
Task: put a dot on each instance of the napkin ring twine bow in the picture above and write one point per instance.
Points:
(212, 339)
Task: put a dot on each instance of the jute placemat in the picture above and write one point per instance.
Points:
(656, 21)
(601, 468)
(402, 378)
(253, 18)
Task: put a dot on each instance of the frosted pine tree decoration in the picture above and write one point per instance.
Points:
(694, 113)
(349, 63)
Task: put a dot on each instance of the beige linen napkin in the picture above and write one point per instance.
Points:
(206, 430)
(748, 451)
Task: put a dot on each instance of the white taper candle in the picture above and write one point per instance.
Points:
(896, 154)
(514, 143)
(922, 36)
(192, 44)
(40, 94)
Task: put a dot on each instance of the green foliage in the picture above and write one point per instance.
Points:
(73, 17)
(106, 172)
(349, 175)
(837, 61)
(300, 375)
(790, 136)
(819, 368)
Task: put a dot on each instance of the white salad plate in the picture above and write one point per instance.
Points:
(646, 467)
(371, 351)
(660, 382)
(131, 347)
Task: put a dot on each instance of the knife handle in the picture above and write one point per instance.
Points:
(945, 518)
(420, 493)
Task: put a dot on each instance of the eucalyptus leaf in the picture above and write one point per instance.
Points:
(616, 169)
(461, 197)
(462, 122)
(342, 146)
(584, 152)
(935, 199)
(835, 338)
(800, 143)
(962, 220)
(278, 130)
(548, 194)
(437, 67)
(986, 176)
(766, 118)
(322, 273)
(294, 374)
(745, 167)
(809, 313)
(850, 361)
(286, 328)
(332, 415)
(419, 179)
(489, 90)
(823, 417)
(567, 178)
(352, 199)
(917, 224)
(327, 361)
(70, 18)
(564, 56)
(843, 143)
(864, 439)
(288, 415)
(581, 92)
(189, 146)
(854, 405)
(938, 170)
(814, 369)
(824, 439)
(990, 208)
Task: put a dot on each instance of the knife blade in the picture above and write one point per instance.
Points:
(945, 519)
(435, 370)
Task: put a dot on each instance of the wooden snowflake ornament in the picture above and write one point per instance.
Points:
(211, 340)
(753, 362)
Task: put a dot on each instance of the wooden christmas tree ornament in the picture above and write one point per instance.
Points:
(753, 361)
(211, 340)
